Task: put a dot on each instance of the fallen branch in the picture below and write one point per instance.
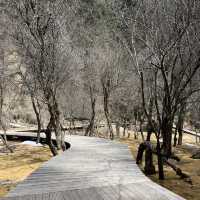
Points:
(179, 172)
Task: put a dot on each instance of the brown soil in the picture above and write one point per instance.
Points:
(15, 167)
(172, 181)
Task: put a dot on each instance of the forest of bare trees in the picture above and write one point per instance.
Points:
(131, 63)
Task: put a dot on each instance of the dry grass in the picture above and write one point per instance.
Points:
(187, 164)
(16, 166)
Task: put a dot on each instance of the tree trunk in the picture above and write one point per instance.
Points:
(106, 94)
(180, 138)
(166, 130)
(56, 125)
(124, 129)
(90, 129)
(129, 134)
(108, 120)
(136, 130)
(175, 137)
(160, 162)
(109, 126)
(49, 140)
(141, 131)
(180, 123)
(141, 150)
(149, 167)
(149, 132)
(117, 130)
(38, 117)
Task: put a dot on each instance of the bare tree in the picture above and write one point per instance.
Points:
(160, 39)
(38, 36)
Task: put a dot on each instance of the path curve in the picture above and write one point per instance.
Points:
(92, 169)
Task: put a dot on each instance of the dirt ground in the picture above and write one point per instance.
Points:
(187, 164)
(15, 167)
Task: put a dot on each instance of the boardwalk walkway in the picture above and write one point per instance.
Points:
(92, 169)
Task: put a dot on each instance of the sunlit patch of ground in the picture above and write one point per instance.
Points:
(15, 167)
(187, 164)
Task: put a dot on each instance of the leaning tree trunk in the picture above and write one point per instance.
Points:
(48, 134)
(149, 167)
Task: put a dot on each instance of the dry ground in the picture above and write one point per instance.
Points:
(15, 167)
(187, 164)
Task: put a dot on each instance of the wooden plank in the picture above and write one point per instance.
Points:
(189, 132)
(142, 191)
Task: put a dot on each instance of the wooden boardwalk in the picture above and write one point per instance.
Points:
(92, 169)
(189, 132)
